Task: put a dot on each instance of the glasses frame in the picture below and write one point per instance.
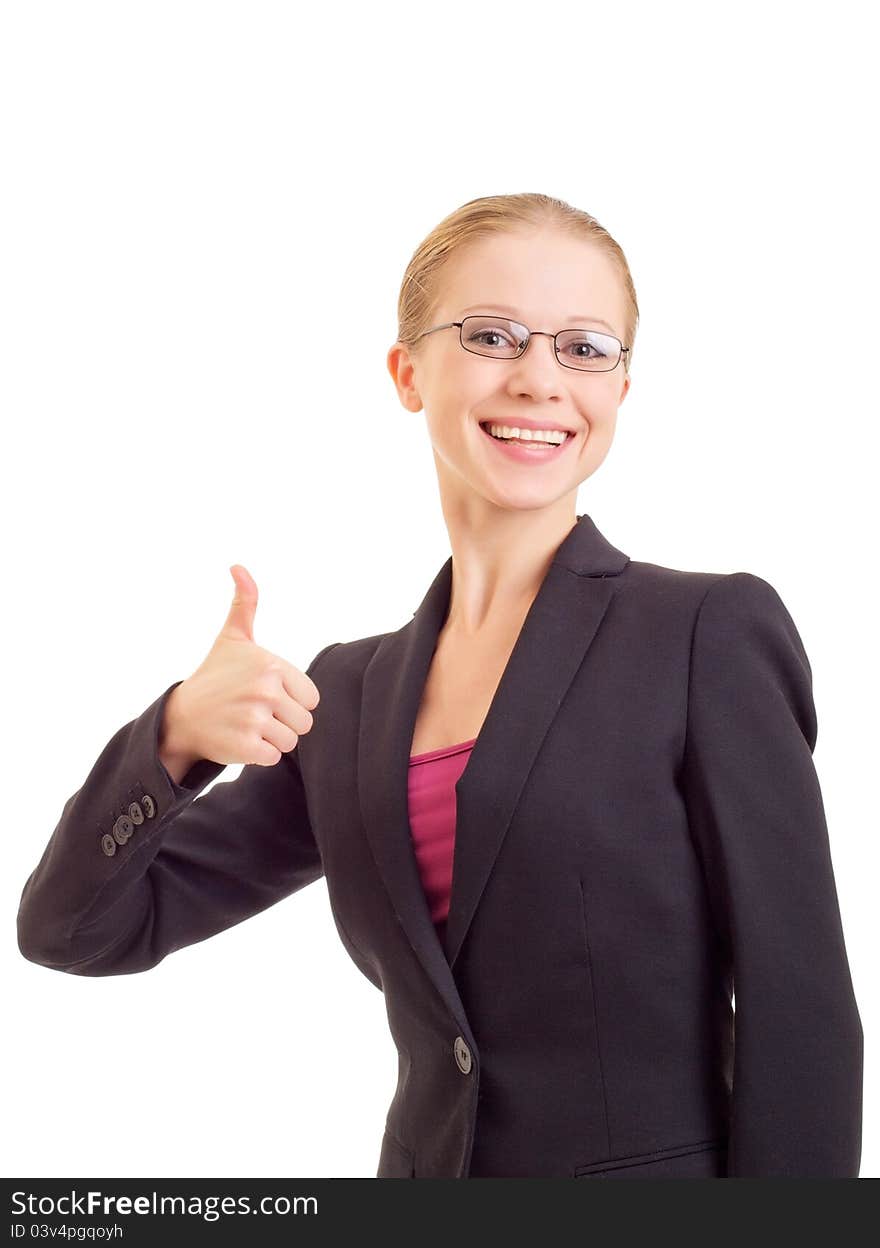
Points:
(482, 316)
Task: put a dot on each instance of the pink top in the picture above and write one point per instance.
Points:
(432, 778)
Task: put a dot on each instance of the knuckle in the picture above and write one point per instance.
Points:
(267, 683)
(255, 717)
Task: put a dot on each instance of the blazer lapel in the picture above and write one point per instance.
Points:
(555, 637)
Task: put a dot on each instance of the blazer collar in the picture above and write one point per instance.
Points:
(551, 646)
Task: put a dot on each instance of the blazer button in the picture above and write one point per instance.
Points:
(148, 805)
(122, 829)
(462, 1055)
(108, 844)
(135, 814)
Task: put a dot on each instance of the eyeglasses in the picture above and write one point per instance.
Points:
(496, 336)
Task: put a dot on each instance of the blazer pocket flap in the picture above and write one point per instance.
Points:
(678, 1161)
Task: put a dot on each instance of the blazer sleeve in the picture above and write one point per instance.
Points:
(756, 813)
(139, 866)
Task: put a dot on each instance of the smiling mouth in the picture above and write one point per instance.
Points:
(530, 441)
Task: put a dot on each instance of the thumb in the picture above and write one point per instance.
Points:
(240, 620)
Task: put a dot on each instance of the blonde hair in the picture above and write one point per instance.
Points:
(420, 289)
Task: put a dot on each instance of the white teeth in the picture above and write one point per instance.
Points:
(556, 436)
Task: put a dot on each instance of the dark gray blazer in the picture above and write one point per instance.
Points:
(640, 831)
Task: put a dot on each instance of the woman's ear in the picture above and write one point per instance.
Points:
(402, 370)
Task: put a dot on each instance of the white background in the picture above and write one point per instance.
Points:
(207, 212)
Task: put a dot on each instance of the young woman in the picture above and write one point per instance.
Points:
(567, 814)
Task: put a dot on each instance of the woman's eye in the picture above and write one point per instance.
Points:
(581, 354)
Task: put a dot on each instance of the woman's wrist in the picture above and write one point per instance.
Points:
(175, 751)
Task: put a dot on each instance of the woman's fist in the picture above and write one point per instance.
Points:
(243, 704)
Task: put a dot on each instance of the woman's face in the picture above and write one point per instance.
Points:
(548, 281)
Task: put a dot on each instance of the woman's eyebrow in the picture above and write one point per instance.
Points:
(500, 307)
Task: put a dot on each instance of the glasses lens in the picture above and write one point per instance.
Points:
(588, 350)
(496, 336)
(493, 335)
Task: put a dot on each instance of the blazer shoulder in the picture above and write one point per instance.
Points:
(695, 585)
(736, 605)
(680, 587)
(346, 656)
(746, 607)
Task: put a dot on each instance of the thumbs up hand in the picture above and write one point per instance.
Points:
(243, 704)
